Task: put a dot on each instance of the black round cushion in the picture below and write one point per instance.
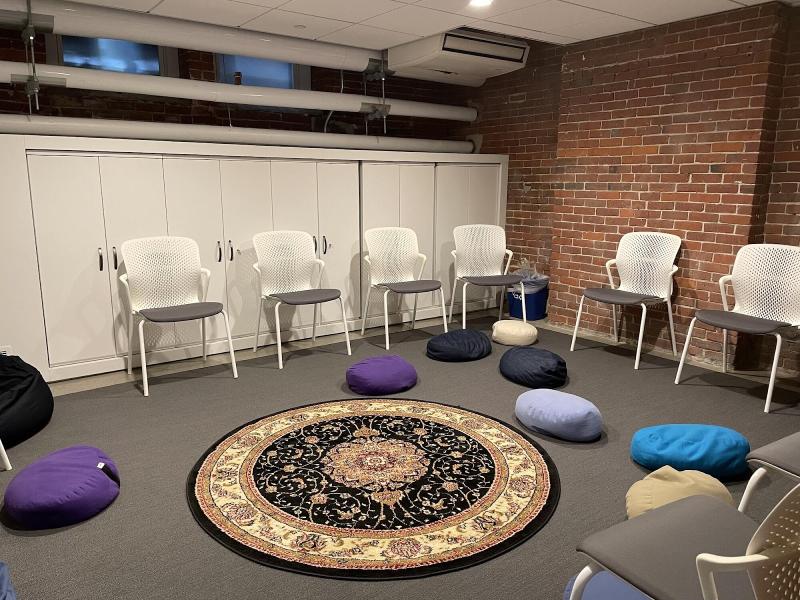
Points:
(26, 403)
(534, 367)
(460, 345)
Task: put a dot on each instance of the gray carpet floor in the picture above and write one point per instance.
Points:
(147, 545)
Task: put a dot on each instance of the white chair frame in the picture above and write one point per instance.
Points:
(4, 462)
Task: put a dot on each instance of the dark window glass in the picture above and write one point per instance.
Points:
(255, 71)
(110, 55)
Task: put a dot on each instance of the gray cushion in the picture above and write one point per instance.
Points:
(185, 312)
(656, 551)
(493, 280)
(784, 454)
(414, 287)
(612, 296)
(725, 319)
(308, 296)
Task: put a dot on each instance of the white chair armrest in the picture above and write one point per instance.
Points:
(509, 254)
(124, 279)
(609, 264)
(256, 269)
(723, 282)
(708, 564)
(421, 259)
(205, 277)
(321, 267)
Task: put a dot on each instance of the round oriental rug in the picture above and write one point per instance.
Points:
(373, 489)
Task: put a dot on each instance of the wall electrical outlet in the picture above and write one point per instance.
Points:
(6, 351)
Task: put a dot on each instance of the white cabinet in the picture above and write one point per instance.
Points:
(73, 264)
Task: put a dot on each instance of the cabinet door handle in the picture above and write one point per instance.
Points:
(230, 250)
(114, 254)
(324, 245)
(315, 243)
(219, 251)
(100, 258)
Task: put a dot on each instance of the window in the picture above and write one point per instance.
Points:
(255, 71)
(110, 55)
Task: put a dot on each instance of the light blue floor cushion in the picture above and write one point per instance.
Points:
(559, 414)
(6, 589)
(606, 586)
(712, 449)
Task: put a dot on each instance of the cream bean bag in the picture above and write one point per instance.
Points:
(514, 333)
(668, 485)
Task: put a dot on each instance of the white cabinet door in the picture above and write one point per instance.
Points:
(417, 199)
(339, 246)
(452, 191)
(247, 210)
(194, 210)
(133, 207)
(484, 189)
(70, 244)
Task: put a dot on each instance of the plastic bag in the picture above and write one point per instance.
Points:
(534, 282)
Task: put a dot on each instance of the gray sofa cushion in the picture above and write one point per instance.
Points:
(414, 287)
(308, 296)
(784, 454)
(612, 296)
(725, 319)
(185, 312)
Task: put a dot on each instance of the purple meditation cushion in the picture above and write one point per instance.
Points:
(63, 488)
(379, 375)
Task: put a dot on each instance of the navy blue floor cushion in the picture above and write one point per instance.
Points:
(459, 345)
(26, 403)
(534, 367)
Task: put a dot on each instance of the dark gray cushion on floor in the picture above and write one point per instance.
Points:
(414, 287)
(460, 345)
(725, 319)
(612, 296)
(185, 312)
(656, 551)
(26, 403)
(534, 367)
(784, 454)
(492, 280)
(308, 297)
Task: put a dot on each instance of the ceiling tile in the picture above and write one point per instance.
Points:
(363, 36)
(264, 3)
(528, 34)
(353, 11)
(416, 20)
(658, 11)
(462, 7)
(569, 20)
(294, 24)
(216, 12)
(137, 5)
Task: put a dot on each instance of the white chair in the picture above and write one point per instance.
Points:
(290, 273)
(165, 283)
(675, 551)
(479, 256)
(781, 457)
(645, 262)
(395, 265)
(766, 289)
(4, 462)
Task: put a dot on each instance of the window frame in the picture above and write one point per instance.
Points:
(167, 57)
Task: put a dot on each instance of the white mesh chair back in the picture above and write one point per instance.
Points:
(778, 537)
(287, 261)
(645, 260)
(480, 250)
(162, 271)
(766, 282)
(393, 254)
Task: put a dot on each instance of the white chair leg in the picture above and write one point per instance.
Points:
(614, 322)
(757, 476)
(364, 315)
(143, 359)
(453, 299)
(464, 305)
(131, 325)
(203, 335)
(344, 324)
(685, 350)
(230, 344)
(581, 581)
(577, 322)
(414, 314)
(524, 310)
(724, 350)
(278, 334)
(4, 462)
(641, 336)
(386, 317)
(778, 342)
(258, 321)
(671, 328)
(444, 309)
(314, 325)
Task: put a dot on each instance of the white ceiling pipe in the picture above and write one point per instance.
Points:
(71, 18)
(140, 130)
(153, 85)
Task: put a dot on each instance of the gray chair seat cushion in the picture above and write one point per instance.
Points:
(725, 319)
(185, 312)
(621, 297)
(308, 296)
(784, 454)
(414, 287)
(493, 280)
(656, 551)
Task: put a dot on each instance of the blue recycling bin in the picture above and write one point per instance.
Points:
(535, 302)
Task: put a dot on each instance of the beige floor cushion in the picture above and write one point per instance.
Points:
(514, 333)
(668, 485)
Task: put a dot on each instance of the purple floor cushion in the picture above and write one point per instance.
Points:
(63, 488)
(379, 375)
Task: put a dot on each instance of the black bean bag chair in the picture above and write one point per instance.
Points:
(533, 367)
(26, 403)
(460, 345)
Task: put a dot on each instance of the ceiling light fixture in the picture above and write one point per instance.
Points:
(480, 3)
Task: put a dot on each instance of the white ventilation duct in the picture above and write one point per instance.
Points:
(104, 128)
(71, 18)
(153, 85)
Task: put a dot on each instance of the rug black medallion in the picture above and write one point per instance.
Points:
(373, 489)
